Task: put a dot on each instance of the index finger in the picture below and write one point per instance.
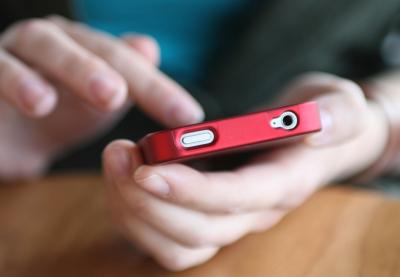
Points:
(260, 185)
(153, 91)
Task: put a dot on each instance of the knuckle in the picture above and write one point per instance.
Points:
(92, 63)
(218, 238)
(33, 26)
(110, 51)
(22, 33)
(78, 61)
(266, 221)
(12, 76)
(175, 260)
(198, 239)
(37, 24)
(205, 234)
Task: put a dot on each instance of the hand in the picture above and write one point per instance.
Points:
(182, 216)
(62, 83)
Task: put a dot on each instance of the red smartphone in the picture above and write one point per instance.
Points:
(230, 134)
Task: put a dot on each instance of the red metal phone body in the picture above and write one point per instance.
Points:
(228, 134)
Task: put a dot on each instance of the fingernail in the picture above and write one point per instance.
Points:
(119, 162)
(103, 88)
(325, 134)
(152, 183)
(35, 96)
(183, 116)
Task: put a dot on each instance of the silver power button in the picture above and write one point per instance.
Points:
(197, 138)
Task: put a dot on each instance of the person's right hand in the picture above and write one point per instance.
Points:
(62, 83)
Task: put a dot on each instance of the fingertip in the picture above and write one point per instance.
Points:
(185, 115)
(120, 158)
(36, 98)
(146, 45)
(46, 105)
(108, 90)
(198, 114)
(118, 100)
(324, 136)
(343, 116)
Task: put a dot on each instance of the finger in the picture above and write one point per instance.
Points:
(263, 185)
(120, 160)
(281, 179)
(189, 227)
(45, 46)
(24, 89)
(203, 230)
(154, 92)
(343, 106)
(145, 45)
(167, 252)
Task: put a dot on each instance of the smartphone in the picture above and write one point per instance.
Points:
(231, 134)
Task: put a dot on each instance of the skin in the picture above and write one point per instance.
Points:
(61, 84)
(182, 216)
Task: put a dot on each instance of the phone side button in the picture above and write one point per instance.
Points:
(198, 138)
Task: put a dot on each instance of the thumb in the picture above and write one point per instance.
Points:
(145, 45)
(343, 106)
(344, 115)
(120, 160)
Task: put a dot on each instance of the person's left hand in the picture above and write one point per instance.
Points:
(182, 216)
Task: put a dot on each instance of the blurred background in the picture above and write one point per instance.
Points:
(221, 50)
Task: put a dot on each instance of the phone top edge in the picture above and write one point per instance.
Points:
(162, 146)
(303, 104)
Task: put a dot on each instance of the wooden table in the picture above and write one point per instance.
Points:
(59, 227)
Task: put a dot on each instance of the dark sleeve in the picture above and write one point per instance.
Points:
(288, 37)
(14, 10)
